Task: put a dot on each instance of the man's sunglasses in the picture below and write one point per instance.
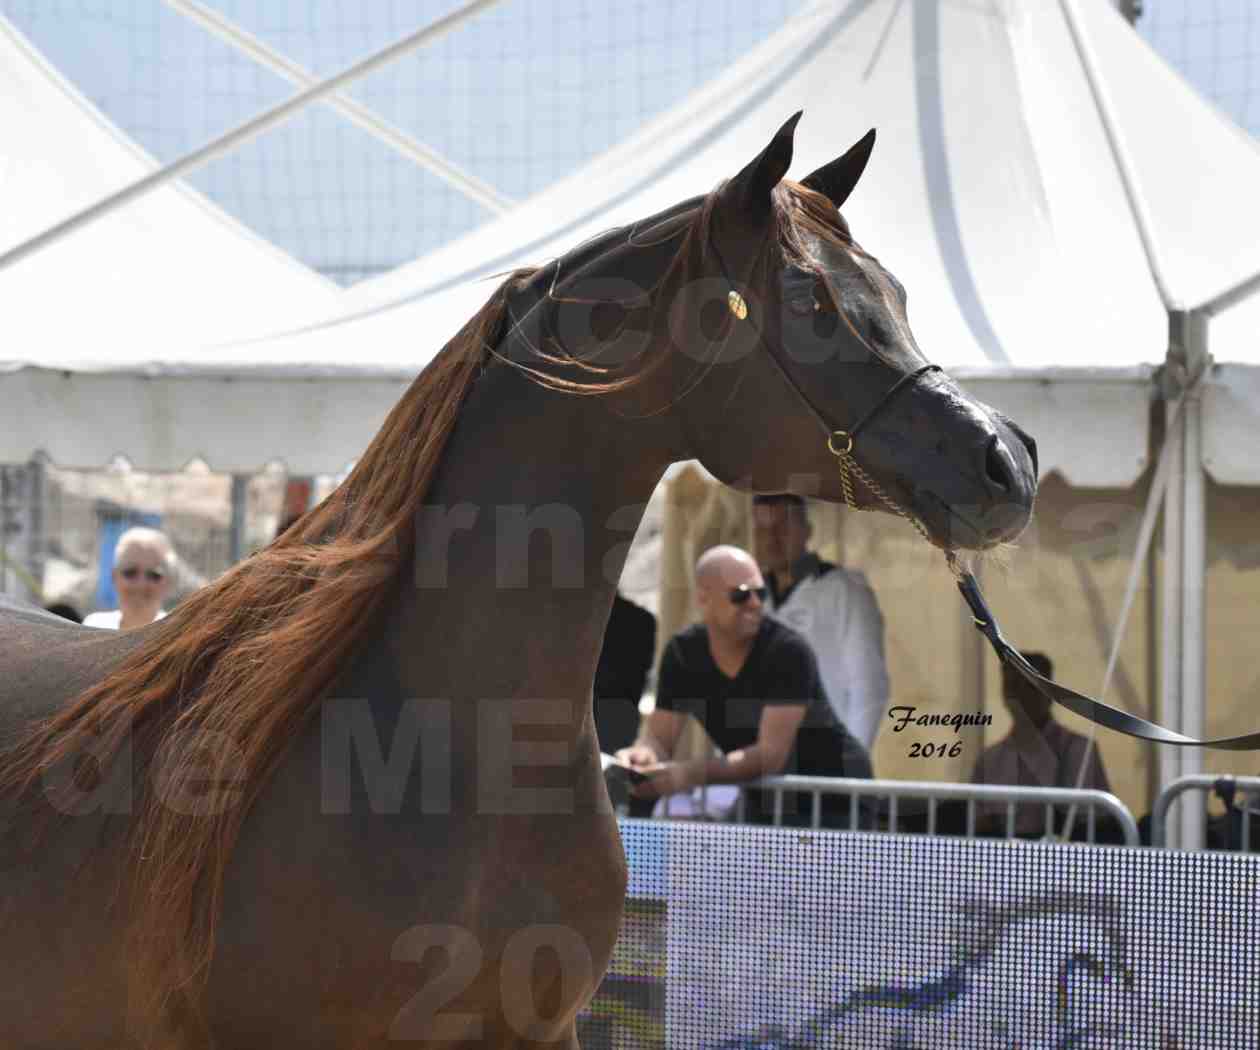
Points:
(739, 595)
(152, 575)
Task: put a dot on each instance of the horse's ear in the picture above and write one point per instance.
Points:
(837, 179)
(749, 191)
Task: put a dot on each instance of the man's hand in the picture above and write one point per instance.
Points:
(638, 756)
(666, 778)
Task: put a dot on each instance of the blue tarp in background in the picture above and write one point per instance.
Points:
(111, 525)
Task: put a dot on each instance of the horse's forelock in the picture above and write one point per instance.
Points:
(800, 210)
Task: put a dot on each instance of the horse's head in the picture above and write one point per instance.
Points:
(816, 357)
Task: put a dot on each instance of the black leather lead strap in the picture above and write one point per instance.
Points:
(1093, 710)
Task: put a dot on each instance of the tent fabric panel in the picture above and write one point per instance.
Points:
(594, 197)
(973, 207)
(1234, 333)
(1231, 420)
(167, 272)
(1093, 297)
(162, 423)
(396, 342)
(1195, 169)
(316, 424)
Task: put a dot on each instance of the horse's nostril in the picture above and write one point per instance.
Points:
(997, 466)
(1029, 444)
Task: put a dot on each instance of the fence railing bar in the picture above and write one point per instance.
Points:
(1011, 795)
(1200, 782)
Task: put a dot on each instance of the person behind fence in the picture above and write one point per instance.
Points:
(753, 684)
(833, 607)
(1037, 752)
(144, 563)
(625, 658)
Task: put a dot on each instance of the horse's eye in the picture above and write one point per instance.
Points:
(818, 301)
(825, 324)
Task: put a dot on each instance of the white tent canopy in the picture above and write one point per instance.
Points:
(976, 196)
(94, 324)
(996, 194)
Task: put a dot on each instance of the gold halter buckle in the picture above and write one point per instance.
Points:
(848, 443)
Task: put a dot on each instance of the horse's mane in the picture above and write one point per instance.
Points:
(219, 690)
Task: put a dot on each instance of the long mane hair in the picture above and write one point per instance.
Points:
(219, 690)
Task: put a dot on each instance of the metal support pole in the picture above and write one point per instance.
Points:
(236, 533)
(37, 548)
(1188, 354)
(1173, 582)
(6, 529)
(1193, 583)
(1153, 605)
(234, 36)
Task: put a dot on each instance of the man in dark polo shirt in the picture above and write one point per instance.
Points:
(753, 684)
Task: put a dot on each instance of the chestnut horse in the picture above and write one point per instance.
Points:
(349, 794)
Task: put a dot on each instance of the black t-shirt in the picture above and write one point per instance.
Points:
(624, 662)
(780, 669)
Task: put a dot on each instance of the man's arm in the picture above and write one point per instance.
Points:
(658, 736)
(766, 757)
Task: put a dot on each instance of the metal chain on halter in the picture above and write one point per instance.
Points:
(849, 465)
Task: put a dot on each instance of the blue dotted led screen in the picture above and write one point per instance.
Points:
(768, 939)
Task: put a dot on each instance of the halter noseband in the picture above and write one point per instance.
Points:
(839, 442)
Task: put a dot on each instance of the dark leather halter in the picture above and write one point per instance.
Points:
(840, 444)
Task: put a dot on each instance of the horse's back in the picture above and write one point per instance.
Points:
(46, 660)
(61, 977)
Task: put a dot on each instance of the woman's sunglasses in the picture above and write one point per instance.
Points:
(152, 575)
(739, 595)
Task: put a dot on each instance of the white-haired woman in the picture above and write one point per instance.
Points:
(144, 562)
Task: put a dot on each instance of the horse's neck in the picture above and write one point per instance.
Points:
(521, 541)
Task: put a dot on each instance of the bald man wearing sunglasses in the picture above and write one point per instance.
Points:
(753, 684)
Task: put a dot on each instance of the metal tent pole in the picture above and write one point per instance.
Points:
(1193, 611)
(361, 116)
(1173, 582)
(237, 522)
(1188, 359)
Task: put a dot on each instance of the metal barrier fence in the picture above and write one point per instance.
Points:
(933, 793)
(1204, 782)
